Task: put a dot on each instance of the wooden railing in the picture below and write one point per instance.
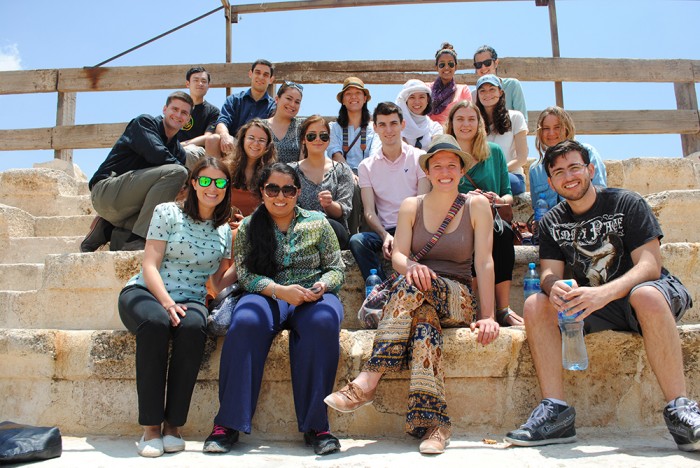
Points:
(65, 136)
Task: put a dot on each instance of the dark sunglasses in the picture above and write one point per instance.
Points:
(205, 181)
(324, 136)
(272, 190)
(485, 63)
(291, 84)
(441, 65)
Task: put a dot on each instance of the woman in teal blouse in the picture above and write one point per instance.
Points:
(289, 263)
(489, 171)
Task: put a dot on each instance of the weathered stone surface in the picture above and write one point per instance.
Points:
(60, 165)
(50, 226)
(36, 249)
(20, 277)
(44, 192)
(683, 261)
(676, 210)
(651, 175)
(84, 382)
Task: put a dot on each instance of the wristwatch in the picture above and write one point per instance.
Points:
(274, 286)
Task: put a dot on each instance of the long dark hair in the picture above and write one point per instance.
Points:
(344, 119)
(305, 127)
(190, 205)
(501, 119)
(261, 230)
(240, 158)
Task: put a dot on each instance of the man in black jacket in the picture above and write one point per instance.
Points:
(146, 167)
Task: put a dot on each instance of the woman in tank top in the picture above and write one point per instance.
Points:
(432, 293)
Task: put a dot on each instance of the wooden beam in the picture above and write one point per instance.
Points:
(65, 116)
(268, 7)
(587, 122)
(686, 98)
(28, 81)
(554, 31)
(227, 18)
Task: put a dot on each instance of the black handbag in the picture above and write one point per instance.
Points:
(23, 443)
(221, 309)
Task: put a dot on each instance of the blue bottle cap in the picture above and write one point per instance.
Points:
(531, 265)
(373, 271)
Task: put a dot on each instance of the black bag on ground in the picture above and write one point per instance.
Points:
(23, 443)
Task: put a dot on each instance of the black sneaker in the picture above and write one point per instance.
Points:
(99, 234)
(683, 422)
(323, 443)
(220, 440)
(549, 423)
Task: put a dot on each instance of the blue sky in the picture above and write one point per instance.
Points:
(51, 34)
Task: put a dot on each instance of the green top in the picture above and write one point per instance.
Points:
(307, 253)
(491, 174)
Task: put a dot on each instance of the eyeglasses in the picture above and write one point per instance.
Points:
(441, 65)
(574, 170)
(272, 190)
(261, 141)
(205, 181)
(324, 136)
(485, 63)
(291, 84)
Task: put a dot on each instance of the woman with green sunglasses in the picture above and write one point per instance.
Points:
(187, 243)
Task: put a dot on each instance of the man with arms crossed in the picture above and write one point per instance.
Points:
(243, 107)
(146, 167)
(611, 240)
(387, 177)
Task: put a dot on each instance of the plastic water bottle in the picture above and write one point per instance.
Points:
(372, 281)
(541, 209)
(531, 282)
(573, 348)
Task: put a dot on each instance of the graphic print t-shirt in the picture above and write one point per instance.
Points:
(597, 244)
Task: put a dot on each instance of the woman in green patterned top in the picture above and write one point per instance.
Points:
(288, 261)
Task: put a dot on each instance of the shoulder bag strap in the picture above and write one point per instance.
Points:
(363, 144)
(471, 180)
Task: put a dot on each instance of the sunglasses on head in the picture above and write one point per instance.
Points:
(485, 63)
(291, 84)
(324, 136)
(272, 190)
(441, 65)
(205, 181)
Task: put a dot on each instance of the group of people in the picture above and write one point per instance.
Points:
(267, 199)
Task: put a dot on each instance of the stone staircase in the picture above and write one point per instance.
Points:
(68, 361)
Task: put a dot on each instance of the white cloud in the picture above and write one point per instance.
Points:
(10, 58)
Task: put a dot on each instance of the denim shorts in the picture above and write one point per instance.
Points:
(620, 316)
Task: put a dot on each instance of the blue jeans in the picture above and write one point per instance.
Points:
(366, 247)
(517, 183)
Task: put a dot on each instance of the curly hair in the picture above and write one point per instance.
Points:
(480, 147)
(240, 159)
(566, 122)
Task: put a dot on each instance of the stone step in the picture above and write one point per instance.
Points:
(49, 226)
(21, 276)
(91, 282)
(36, 249)
(83, 381)
(676, 210)
(44, 192)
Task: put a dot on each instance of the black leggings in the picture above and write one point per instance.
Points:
(143, 316)
(503, 254)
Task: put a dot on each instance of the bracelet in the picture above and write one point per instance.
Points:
(274, 286)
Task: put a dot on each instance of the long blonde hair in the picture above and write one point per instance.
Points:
(566, 122)
(480, 147)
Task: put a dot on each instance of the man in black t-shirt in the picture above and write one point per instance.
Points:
(202, 118)
(611, 241)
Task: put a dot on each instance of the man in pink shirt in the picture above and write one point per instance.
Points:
(387, 177)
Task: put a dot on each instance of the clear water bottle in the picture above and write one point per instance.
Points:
(531, 282)
(372, 281)
(541, 209)
(573, 348)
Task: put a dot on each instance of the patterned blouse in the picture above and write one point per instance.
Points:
(288, 147)
(307, 253)
(339, 181)
(193, 252)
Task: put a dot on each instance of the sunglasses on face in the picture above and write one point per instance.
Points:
(324, 136)
(485, 63)
(205, 181)
(291, 84)
(442, 65)
(272, 190)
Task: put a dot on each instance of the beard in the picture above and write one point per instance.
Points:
(578, 194)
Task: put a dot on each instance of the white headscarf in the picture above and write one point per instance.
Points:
(417, 126)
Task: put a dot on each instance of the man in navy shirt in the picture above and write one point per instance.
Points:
(146, 167)
(243, 107)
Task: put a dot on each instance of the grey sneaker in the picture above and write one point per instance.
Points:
(683, 422)
(549, 423)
